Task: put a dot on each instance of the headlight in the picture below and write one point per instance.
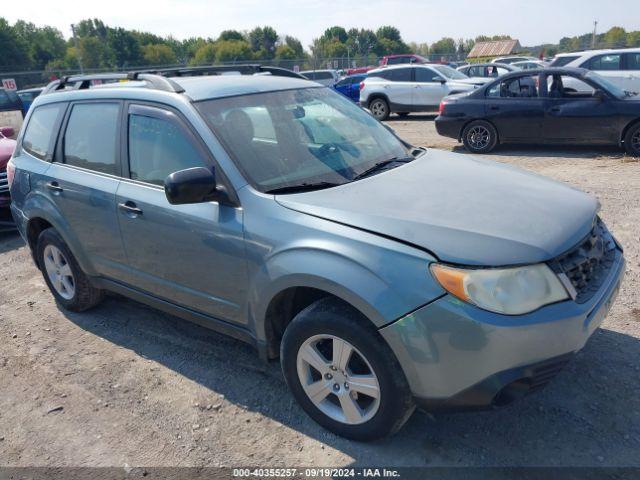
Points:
(510, 291)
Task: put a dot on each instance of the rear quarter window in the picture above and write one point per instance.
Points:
(41, 129)
(562, 61)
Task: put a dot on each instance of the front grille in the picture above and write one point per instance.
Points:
(587, 265)
(4, 184)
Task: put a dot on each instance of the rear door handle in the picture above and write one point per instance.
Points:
(493, 107)
(130, 208)
(54, 187)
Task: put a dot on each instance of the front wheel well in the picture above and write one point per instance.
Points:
(630, 125)
(284, 307)
(34, 228)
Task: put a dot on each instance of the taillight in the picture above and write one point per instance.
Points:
(361, 85)
(441, 109)
(11, 172)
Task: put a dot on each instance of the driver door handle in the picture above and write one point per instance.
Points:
(54, 187)
(130, 208)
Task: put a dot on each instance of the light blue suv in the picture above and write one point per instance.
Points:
(274, 210)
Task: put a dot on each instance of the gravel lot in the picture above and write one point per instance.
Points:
(124, 384)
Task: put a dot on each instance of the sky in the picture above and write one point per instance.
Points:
(531, 21)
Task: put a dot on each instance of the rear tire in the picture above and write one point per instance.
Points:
(381, 395)
(379, 109)
(69, 285)
(632, 140)
(479, 136)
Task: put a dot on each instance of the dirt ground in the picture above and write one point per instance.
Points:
(126, 385)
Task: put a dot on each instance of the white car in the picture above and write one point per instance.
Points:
(412, 88)
(513, 59)
(620, 66)
(530, 64)
(324, 77)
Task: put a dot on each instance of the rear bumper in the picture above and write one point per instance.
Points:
(449, 126)
(456, 356)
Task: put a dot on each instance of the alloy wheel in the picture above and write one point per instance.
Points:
(479, 137)
(338, 379)
(378, 109)
(59, 272)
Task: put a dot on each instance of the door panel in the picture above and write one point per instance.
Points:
(581, 120)
(429, 90)
(192, 255)
(81, 188)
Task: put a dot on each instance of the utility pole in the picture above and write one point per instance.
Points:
(75, 42)
(593, 36)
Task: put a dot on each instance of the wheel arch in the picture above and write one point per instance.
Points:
(627, 127)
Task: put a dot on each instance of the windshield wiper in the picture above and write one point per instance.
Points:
(376, 167)
(303, 187)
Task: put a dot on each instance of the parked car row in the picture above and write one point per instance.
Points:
(537, 107)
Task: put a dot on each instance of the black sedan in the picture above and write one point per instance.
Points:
(551, 105)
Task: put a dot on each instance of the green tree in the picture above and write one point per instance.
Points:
(262, 41)
(205, 54)
(633, 39)
(295, 45)
(616, 37)
(14, 51)
(125, 47)
(158, 54)
(335, 34)
(444, 46)
(233, 50)
(231, 35)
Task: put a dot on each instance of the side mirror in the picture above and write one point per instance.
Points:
(442, 80)
(7, 131)
(193, 185)
(600, 95)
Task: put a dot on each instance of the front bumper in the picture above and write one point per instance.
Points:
(457, 356)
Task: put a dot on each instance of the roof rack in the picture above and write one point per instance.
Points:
(159, 79)
(243, 69)
(82, 82)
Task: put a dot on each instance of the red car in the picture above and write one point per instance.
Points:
(402, 58)
(7, 146)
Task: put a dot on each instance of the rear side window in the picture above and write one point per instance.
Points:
(158, 148)
(604, 62)
(562, 61)
(398, 60)
(518, 87)
(38, 137)
(633, 61)
(398, 75)
(91, 137)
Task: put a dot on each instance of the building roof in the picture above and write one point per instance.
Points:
(494, 48)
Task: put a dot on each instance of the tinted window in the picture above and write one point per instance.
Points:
(474, 71)
(37, 137)
(318, 75)
(398, 75)
(633, 61)
(426, 75)
(604, 62)
(344, 82)
(562, 61)
(158, 148)
(519, 87)
(91, 137)
(398, 60)
(9, 100)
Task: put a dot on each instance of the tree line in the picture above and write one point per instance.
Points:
(96, 45)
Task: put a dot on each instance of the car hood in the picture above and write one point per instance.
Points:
(462, 209)
(473, 80)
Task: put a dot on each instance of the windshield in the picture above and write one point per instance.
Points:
(606, 84)
(449, 72)
(299, 137)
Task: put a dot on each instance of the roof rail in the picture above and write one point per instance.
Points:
(160, 79)
(82, 82)
(243, 69)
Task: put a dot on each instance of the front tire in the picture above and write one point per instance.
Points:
(68, 283)
(480, 136)
(379, 108)
(632, 140)
(343, 374)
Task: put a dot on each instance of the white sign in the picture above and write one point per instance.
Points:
(9, 84)
(335, 64)
(296, 68)
(329, 64)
